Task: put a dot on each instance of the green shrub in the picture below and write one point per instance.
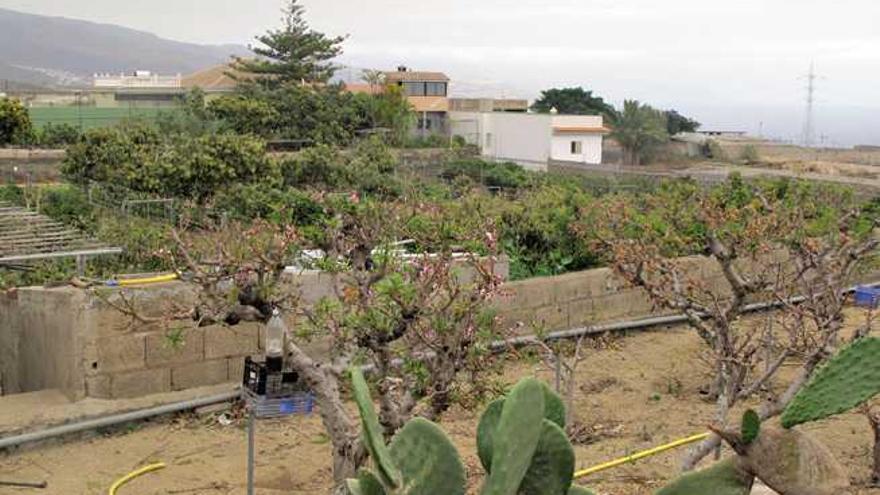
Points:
(749, 154)
(285, 206)
(139, 158)
(506, 175)
(432, 140)
(57, 135)
(69, 204)
(15, 122)
(369, 170)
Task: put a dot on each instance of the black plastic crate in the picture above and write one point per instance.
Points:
(262, 382)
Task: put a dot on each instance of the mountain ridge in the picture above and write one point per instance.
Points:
(60, 51)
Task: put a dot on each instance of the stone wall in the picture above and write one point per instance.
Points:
(81, 343)
(73, 340)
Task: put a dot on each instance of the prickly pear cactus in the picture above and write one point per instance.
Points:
(554, 407)
(554, 410)
(723, 478)
(791, 462)
(387, 472)
(516, 438)
(427, 460)
(849, 378)
(486, 432)
(365, 484)
(420, 460)
(552, 466)
(520, 439)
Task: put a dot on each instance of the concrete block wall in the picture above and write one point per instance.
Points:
(73, 340)
(584, 298)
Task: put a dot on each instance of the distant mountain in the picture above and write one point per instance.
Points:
(57, 51)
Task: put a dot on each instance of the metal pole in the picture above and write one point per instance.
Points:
(250, 454)
(81, 265)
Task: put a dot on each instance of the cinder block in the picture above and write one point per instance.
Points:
(119, 353)
(236, 369)
(531, 293)
(314, 286)
(98, 387)
(527, 320)
(240, 340)
(632, 303)
(140, 383)
(199, 374)
(587, 283)
(581, 312)
(161, 351)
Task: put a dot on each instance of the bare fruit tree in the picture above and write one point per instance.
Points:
(762, 249)
(417, 319)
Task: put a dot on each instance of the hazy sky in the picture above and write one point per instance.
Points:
(731, 64)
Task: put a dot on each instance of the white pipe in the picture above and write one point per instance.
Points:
(497, 346)
(103, 422)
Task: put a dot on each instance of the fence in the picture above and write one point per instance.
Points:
(86, 117)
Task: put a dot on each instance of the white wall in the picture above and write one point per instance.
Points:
(591, 148)
(591, 142)
(517, 137)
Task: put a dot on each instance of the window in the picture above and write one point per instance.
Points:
(577, 148)
(414, 88)
(488, 139)
(435, 89)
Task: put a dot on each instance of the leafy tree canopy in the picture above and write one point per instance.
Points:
(15, 123)
(573, 101)
(677, 123)
(293, 53)
(638, 128)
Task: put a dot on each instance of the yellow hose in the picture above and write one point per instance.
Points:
(640, 455)
(134, 474)
(149, 280)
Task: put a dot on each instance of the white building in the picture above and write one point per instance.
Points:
(530, 139)
(137, 79)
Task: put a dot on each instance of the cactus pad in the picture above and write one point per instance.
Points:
(388, 474)
(552, 467)
(849, 378)
(554, 410)
(365, 484)
(751, 426)
(427, 460)
(486, 432)
(723, 478)
(554, 407)
(516, 438)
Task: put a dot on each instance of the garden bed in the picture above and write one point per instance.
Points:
(639, 391)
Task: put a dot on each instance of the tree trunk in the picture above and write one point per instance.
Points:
(874, 419)
(348, 452)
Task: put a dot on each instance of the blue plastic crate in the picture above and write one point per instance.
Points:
(275, 407)
(867, 297)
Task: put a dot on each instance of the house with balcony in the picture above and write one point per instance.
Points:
(428, 93)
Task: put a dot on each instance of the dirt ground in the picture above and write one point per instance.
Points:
(639, 392)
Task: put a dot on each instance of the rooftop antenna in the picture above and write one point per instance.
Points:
(808, 117)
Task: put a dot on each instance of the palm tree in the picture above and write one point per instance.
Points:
(638, 128)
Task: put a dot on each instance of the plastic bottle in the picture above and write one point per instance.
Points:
(275, 331)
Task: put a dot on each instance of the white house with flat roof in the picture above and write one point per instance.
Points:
(533, 140)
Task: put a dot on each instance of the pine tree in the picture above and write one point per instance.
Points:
(293, 54)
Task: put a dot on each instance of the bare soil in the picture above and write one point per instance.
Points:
(639, 392)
